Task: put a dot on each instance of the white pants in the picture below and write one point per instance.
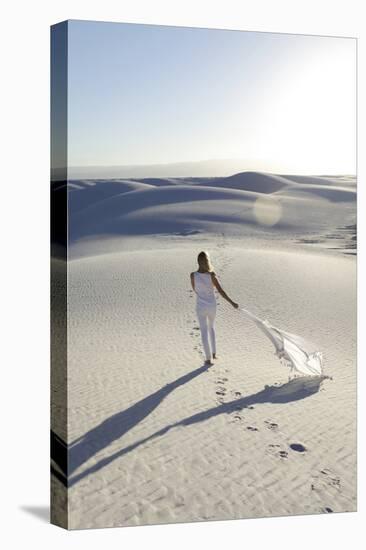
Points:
(206, 318)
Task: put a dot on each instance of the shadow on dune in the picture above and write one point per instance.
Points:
(294, 390)
(332, 193)
(87, 194)
(68, 458)
(112, 215)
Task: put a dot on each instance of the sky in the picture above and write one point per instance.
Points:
(150, 94)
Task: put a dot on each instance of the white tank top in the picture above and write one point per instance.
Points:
(204, 290)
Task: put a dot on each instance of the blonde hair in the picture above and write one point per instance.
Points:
(204, 262)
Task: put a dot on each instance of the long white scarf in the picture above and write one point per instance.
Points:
(292, 350)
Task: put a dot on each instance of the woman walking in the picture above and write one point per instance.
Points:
(203, 282)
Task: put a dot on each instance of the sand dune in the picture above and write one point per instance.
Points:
(202, 206)
(322, 180)
(251, 181)
(87, 192)
(330, 192)
(157, 182)
(171, 206)
(245, 181)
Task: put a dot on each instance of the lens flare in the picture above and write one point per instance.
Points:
(267, 210)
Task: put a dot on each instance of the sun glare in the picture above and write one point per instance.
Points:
(267, 210)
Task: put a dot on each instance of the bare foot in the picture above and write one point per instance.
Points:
(208, 363)
(214, 355)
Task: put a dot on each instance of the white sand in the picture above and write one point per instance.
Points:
(154, 436)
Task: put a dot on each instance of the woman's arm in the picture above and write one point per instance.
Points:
(192, 281)
(221, 291)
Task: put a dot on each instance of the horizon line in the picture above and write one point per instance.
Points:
(212, 160)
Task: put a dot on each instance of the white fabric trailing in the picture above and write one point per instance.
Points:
(292, 350)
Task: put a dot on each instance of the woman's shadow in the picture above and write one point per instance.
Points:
(69, 458)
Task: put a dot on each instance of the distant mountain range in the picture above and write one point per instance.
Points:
(204, 168)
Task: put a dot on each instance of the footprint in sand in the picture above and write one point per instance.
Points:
(221, 381)
(271, 425)
(277, 451)
(221, 390)
(252, 429)
(326, 479)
